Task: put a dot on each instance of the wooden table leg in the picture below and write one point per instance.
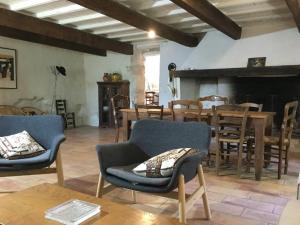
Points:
(259, 147)
(125, 126)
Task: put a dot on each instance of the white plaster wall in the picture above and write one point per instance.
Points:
(170, 52)
(95, 67)
(36, 80)
(78, 87)
(217, 50)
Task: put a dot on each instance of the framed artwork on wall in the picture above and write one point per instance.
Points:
(257, 62)
(8, 68)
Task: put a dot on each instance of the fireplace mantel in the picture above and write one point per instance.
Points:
(267, 71)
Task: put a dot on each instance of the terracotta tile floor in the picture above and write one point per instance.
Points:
(233, 201)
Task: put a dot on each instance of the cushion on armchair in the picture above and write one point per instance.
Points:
(20, 145)
(125, 173)
(163, 164)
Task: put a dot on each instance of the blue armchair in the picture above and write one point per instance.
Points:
(150, 138)
(48, 131)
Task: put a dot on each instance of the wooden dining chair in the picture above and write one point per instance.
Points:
(190, 109)
(277, 147)
(31, 111)
(61, 109)
(10, 110)
(153, 111)
(250, 145)
(252, 106)
(118, 102)
(230, 134)
(214, 99)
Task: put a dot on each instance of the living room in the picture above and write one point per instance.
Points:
(155, 54)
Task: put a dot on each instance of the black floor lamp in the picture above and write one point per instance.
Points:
(56, 71)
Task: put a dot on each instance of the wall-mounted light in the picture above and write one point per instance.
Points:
(151, 34)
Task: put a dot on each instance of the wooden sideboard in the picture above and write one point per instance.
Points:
(106, 90)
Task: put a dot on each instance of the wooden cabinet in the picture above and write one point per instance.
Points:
(106, 90)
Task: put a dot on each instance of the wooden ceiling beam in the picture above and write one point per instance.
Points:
(294, 6)
(209, 14)
(133, 18)
(28, 28)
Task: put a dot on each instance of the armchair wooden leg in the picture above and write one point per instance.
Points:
(204, 195)
(59, 169)
(117, 135)
(133, 194)
(181, 199)
(100, 186)
(184, 204)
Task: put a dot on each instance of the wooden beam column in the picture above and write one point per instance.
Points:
(28, 28)
(209, 14)
(294, 6)
(126, 15)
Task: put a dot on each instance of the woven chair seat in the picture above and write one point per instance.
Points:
(273, 140)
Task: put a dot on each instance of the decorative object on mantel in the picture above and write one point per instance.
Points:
(106, 77)
(171, 85)
(116, 77)
(8, 72)
(257, 62)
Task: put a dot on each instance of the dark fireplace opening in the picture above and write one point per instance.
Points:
(272, 92)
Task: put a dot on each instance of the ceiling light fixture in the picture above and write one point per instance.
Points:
(57, 11)
(151, 34)
(27, 4)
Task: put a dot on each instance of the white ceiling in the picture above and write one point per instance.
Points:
(243, 12)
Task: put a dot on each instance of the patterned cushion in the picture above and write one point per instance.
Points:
(162, 165)
(20, 145)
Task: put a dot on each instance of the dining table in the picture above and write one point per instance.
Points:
(261, 122)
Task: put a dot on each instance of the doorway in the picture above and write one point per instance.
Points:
(152, 68)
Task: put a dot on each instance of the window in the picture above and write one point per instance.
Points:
(152, 68)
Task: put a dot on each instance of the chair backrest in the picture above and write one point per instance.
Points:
(232, 124)
(61, 106)
(157, 136)
(44, 129)
(153, 111)
(213, 100)
(119, 102)
(252, 106)
(31, 111)
(190, 109)
(151, 98)
(289, 119)
(10, 110)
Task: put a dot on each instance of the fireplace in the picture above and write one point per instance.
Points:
(272, 92)
(272, 86)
